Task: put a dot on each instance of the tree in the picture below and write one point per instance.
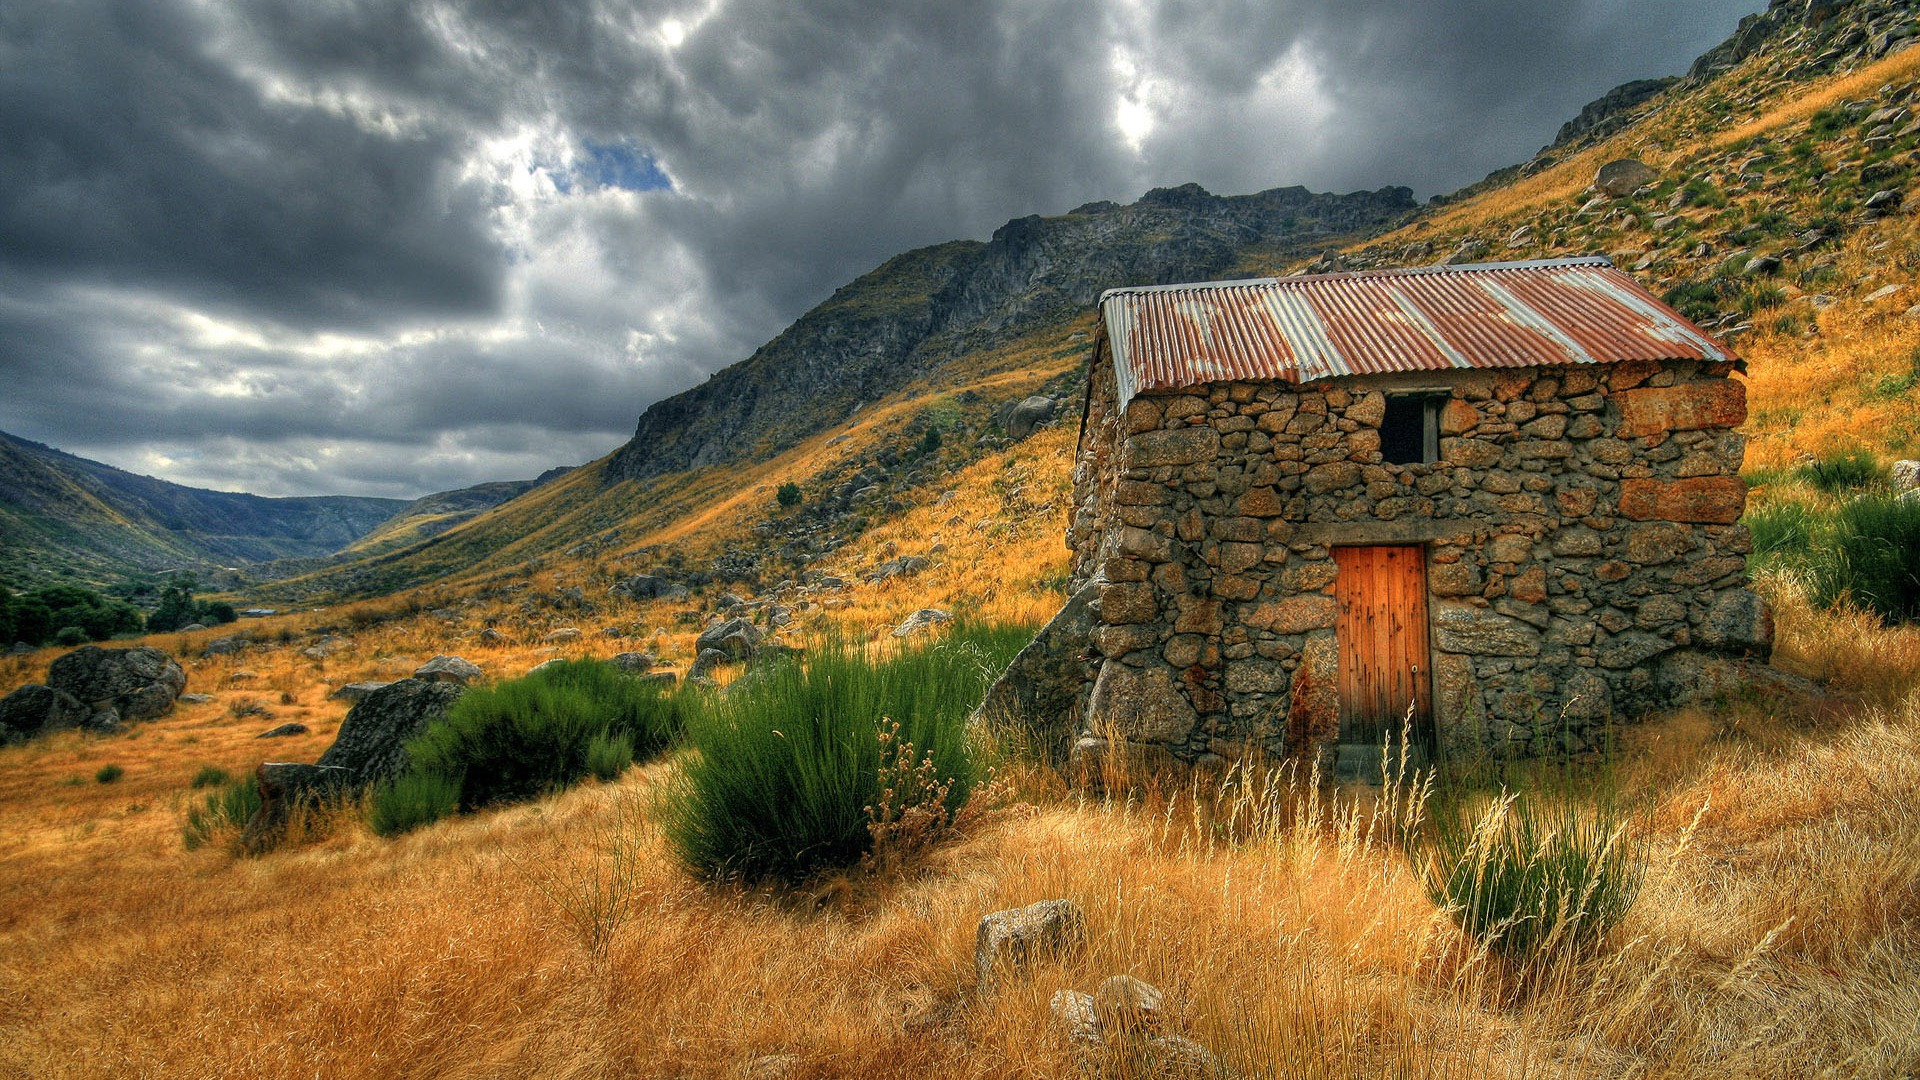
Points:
(176, 608)
(930, 442)
(788, 495)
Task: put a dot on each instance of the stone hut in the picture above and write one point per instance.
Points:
(1494, 506)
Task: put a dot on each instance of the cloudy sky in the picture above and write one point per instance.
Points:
(386, 247)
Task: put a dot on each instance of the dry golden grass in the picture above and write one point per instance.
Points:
(1775, 935)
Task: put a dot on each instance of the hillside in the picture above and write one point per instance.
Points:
(63, 515)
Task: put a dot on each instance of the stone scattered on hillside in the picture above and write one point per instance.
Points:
(1127, 1004)
(34, 709)
(118, 685)
(373, 738)
(1906, 475)
(283, 731)
(1017, 935)
(1624, 176)
(225, 646)
(921, 621)
(565, 633)
(634, 663)
(701, 672)
(451, 669)
(1074, 1013)
(1019, 419)
(1761, 266)
(283, 786)
(544, 665)
(356, 691)
(734, 639)
(491, 636)
(649, 587)
(193, 699)
(904, 566)
(325, 646)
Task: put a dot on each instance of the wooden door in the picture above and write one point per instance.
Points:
(1384, 657)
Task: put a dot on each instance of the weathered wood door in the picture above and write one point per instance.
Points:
(1384, 657)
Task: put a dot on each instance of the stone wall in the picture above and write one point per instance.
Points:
(1580, 528)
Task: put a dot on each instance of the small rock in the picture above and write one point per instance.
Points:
(1127, 1004)
(356, 691)
(1623, 176)
(224, 646)
(1883, 292)
(545, 664)
(736, 639)
(922, 621)
(1760, 266)
(1073, 1013)
(704, 664)
(1020, 419)
(194, 699)
(634, 663)
(565, 633)
(491, 636)
(904, 566)
(451, 669)
(282, 731)
(1019, 934)
(1905, 475)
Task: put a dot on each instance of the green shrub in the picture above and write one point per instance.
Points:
(227, 808)
(788, 495)
(70, 636)
(1871, 558)
(1529, 883)
(790, 772)
(521, 739)
(109, 773)
(413, 799)
(1845, 470)
(210, 776)
(1781, 529)
(608, 755)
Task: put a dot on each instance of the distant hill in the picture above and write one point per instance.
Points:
(65, 517)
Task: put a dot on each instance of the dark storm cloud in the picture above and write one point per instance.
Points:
(383, 247)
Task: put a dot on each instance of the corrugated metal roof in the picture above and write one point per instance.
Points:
(1485, 315)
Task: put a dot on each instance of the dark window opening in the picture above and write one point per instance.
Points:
(1410, 433)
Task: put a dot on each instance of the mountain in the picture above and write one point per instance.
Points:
(65, 517)
(62, 515)
(1779, 169)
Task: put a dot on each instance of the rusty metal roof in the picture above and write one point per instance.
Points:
(1485, 315)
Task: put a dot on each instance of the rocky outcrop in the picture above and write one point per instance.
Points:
(94, 688)
(922, 621)
(449, 669)
(1623, 177)
(1017, 935)
(373, 738)
(734, 639)
(1611, 111)
(1041, 697)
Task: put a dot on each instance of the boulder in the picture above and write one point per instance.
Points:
(284, 786)
(356, 691)
(1905, 475)
(565, 633)
(634, 663)
(283, 731)
(904, 566)
(701, 671)
(372, 744)
(1019, 419)
(225, 646)
(1622, 177)
(1130, 1005)
(1042, 695)
(448, 669)
(735, 639)
(1074, 1014)
(33, 709)
(118, 685)
(1017, 935)
(921, 621)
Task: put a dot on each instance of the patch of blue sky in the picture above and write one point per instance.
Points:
(618, 165)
